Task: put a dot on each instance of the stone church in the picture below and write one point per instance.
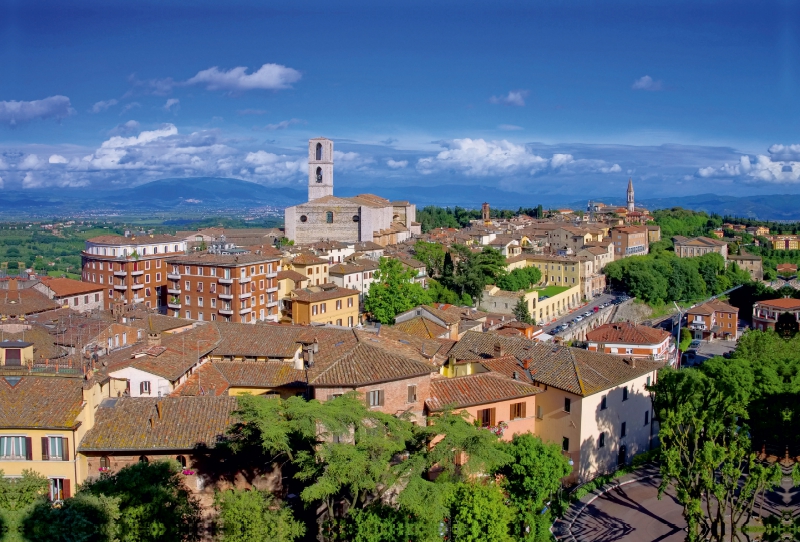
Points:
(365, 217)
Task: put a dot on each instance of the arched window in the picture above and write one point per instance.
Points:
(182, 460)
(143, 459)
(319, 151)
(319, 174)
(329, 217)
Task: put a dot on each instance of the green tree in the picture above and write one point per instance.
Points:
(394, 291)
(84, 517)
(154, 503)
(479, 514)
(247, 516)
(521, 311)
(432, 255)
(531, 478)
(378, 523)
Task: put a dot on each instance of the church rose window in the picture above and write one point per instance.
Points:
(329, 217)
(303, 218)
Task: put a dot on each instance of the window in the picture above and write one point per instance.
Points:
(55, 449)
(97, 296)
(314, 310)
(329, 217)
(199, 301)
(105, 463)
(213, 303)
(147, 292)
(539, 413)
(350, 321)
(603, 403)
(85, 299)
(147, 265)
(338, 321)
(144, 387)
(188, 285)
(625, 393)
(517, 410)
(303, 218)
(375, 398)
(624, 430)
(15, 448)
(322, 307)
(648, 381)
(319, 174)
(200, 316)
(182, 460)
(647, 417)
(199, 286)
(567, 404)
(188, 315)
(601, 441)
(565, 444)
(412, 394)
(318, 153)
(59, 489)
(486, 417)
(143, 459)
(349, 301)
(188, 299)
(338, 304)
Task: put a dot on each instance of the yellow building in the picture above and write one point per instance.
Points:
(545, 303)
(325, 304)
(316, 269)
(44, 419)
(785, 242)
(556, 270)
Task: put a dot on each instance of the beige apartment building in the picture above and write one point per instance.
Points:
(630, 241)
(686, 247)
(131, 269)
(325, 304)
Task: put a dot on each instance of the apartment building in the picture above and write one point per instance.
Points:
(698, 246)
(315, 268)
(766, 313)
(74, 294)
(750, 263)
(325, 304)
(628, 339)
(227, 287)
(357, 275)
(785, 242)
(131, 269)
(713, 320)
(630, 241)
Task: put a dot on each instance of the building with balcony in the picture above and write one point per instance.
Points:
(227, 287)
(132, 269)
(627, 339)
(766, 313)
(630, 241)
(713, 320)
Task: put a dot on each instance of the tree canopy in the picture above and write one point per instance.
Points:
(393, 291)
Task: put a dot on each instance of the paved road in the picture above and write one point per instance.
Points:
(632, 513)
(592, 304)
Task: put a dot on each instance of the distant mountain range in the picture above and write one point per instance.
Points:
(207, 194)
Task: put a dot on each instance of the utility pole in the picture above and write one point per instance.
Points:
(678, 338)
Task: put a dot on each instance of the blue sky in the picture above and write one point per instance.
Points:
(541, 98)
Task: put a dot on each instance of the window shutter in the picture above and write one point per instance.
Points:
(67, 493)
(511, 411)
(65, 449)
(412, 394)
(380, 397)
(491, 417)
(29, 448)
(522, 413)
(45, 449)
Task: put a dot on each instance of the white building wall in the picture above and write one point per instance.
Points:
(158, 385)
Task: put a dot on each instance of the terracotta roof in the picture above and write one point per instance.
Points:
(22, 302)
(185, 422)
(449, 314)
(309, 296)
(571, 369)
(711, 307)
(222, 260)
(291, 275)
(422, 327)
(215, 378)
(784, 303)
(133, 239)
(44, 344)
(369, 364)
(627, 333)
(477, 389)
(40, 402)
(305, 258)
(697, 241)
(63, 286)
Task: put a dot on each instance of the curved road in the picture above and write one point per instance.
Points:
(631, 513)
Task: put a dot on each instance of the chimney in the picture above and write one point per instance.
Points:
(159, 409)
(498, 350)
(526, 363)
(632, 362)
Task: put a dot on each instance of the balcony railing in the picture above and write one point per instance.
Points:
(271, 290)
(137, 286)
(121, 287)
(175, 291)
(245, 310)
(226, 296)
(272, 275)
(700, 326)
(225, 280)
(245, 295)
(120, 273)
(174, 276)
(226, 312)
(137, 273)
(245, 280)
(172, 305)
(272, 304)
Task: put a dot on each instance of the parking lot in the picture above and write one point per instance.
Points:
(708, 350)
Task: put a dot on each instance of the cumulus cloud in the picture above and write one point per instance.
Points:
(282, 125)
(559, 160)
(127, 107)
(267, 77)
(509, 127)
(612, 169)
(14, 112)
(396, 164)
(101, 106)
(781, 166)
(273, 167)
(172, 104)
(30, 161)
(126, 128)
(57, 159)
(514, 97)
(351, 160)
(646, 83)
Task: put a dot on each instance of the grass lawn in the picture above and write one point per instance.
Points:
(550, 291)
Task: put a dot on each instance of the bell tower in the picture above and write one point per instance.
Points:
(631, 206)
(320, 168)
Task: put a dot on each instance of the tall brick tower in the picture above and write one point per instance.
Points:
(630, 195)
(320, 168)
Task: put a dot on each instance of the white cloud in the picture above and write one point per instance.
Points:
(282, 125)
(101, 106)
(514, 97)
(127, 107)
(781, 166)
(559, 160)
(30, 161)
(13, 112)
(480, 157)
(3, 165)
(613, 169)
(57, 159)
(274, 167)
(509, 127)
(646, 83)
(172, 102)
(31, 181)
(268, 77)
(399, 164)
(126, 128)
(351, 160)
(2, 183)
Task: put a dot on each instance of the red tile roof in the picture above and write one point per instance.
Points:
(40, 402)
(627, 333)
(784, 303)
(477, 389)
(64, 287)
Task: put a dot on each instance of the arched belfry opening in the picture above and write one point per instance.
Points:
(319, 174)
(319, 152)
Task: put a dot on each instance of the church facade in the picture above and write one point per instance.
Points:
(325, 217)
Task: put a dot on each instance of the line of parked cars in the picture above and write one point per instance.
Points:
(579, 318)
